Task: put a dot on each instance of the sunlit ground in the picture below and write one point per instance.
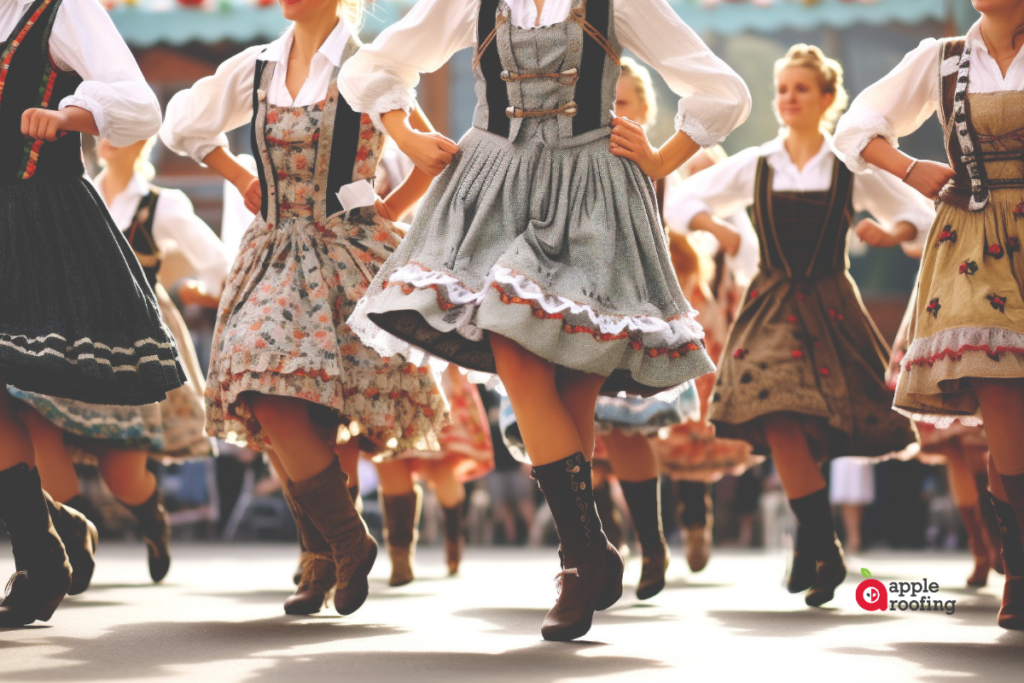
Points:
(219, 618)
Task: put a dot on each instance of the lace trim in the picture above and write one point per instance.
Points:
(672, 333)
(398, 97)
(953, 343)
(695, 129)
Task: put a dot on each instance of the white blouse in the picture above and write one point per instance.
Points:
(84, 40)
(729, 186)
(175, 227)
(381, 77)
(898, 104)
(198, 117)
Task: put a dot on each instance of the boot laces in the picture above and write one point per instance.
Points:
(560, 578)
(23, 574)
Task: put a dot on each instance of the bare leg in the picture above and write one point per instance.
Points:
(300, 447)
(1002, 406)
(548, 428)
(126, 474)
(395, 477)
(450, 492)
(961, 478)
(579, 392)
(798, 471)
(56, 470)
(631, 456)
(348, 458)
(852, 516)
(17, 444)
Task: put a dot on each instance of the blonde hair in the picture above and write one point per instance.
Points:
(644, 86)
(353, 11)
(143, 165)
(830, 77)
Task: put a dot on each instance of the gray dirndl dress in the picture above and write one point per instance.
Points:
(536, 231)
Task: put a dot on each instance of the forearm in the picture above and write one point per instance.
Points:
(224, 163)
(880, 153)
(675, 152)
(726, 236)
(80, 120)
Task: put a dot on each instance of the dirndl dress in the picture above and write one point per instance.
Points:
(465, 442)
(969, 317)
(77, 319)
(538, 233)
(803, 343)
(281, 326)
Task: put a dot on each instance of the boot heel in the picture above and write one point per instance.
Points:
(47, 609)
(613, 590)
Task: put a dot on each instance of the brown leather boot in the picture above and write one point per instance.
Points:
(971, 516)
(816, 540)
(991, 526)
(316, 566)
(156, 532)
(652, 575)
(1011, 614)
(401, 519)
(592, 585)
(80, 537)
(43, 573)
(325, 499)
(698, 546)
(453, 537)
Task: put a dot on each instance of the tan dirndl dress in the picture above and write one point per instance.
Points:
(969, 316)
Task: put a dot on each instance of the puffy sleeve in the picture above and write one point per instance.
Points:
(198, 117)
(722, 190)
(382, 76)
(714, 99)
(893, 107)
(891, 202)
(176, 222)
(113, 90)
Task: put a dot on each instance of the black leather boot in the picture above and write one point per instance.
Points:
(43, 573)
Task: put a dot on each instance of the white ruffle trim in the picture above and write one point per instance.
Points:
(398, 97)
(954, 342)
(656, 331)
(685, 123)
(951, 344)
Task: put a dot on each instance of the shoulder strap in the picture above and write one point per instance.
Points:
(347, 126)
(260, 171)
(762, 206)
(593, 17)
(948, 47)
(488, 60)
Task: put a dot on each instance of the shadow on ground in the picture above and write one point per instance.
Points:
(785, 624)
(945, 662)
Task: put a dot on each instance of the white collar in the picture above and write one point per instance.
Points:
(332, 48)
(974, 37)
(777, 148)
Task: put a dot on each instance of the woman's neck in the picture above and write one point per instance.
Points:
(999, 31)
(312, 34)
(803, 145)
(115, 180)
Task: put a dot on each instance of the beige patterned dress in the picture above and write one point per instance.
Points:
(281, 326)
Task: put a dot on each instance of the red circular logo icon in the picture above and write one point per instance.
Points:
(871, 594)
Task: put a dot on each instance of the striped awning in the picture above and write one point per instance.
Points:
(145, 23)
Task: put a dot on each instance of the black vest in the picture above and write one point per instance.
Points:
(591, 71)
(140, 236)
(29, 79)
(344, 145)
